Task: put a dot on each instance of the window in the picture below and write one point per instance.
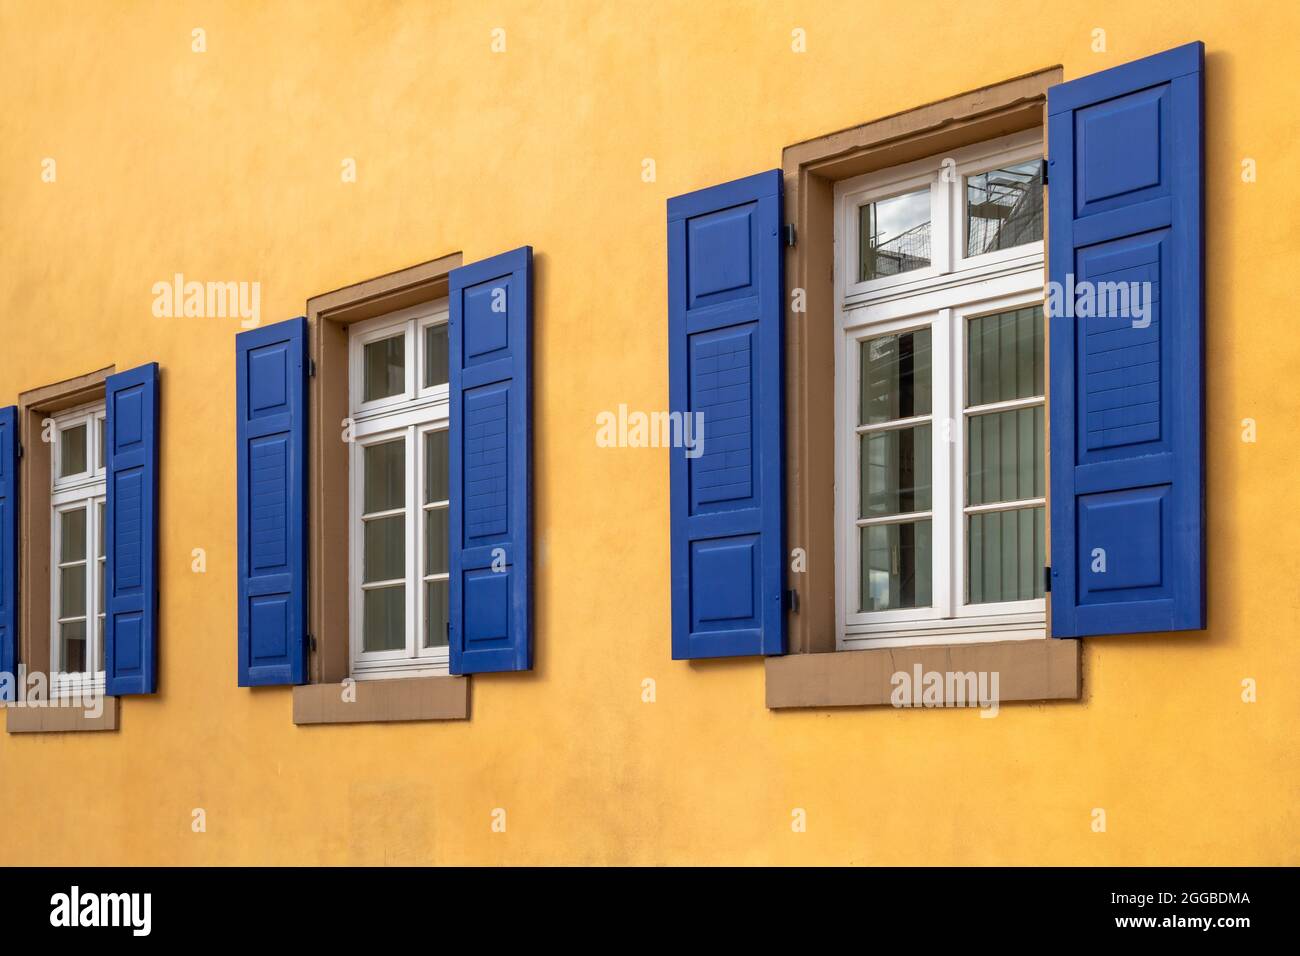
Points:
(940, 437)
(399, 481)
(77, 502)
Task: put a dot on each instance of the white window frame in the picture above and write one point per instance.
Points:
(88, 490)
(408, 417)
(946, 176)
(943, 297)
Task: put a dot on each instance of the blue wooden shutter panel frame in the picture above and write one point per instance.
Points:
(725, 361)
(131, 532)
(271, 433)
(9, 551)
(490, 461)
(1125, 203)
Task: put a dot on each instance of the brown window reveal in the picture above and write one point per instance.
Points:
(811, 170)
(329, 315)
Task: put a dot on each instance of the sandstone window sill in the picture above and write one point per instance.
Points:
(1032, 670)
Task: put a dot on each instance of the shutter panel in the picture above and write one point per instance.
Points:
(131, 532)
(1127, 392)
(271, 431)
(490, 627)
(8, 552)
(725, 301)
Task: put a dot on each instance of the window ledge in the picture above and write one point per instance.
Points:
(59, 719)
(379, 701)
(1046, 669)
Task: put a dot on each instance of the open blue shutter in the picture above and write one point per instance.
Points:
(131, 532)
(1127, 391)
(725, 300)
(490, 347)
(271, 431)
(8, 551)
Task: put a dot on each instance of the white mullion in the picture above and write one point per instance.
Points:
(356, 527)
(411, 536)
(421, 436)
(961, 469)
(942, 481)
(941, 228)
(412, 361)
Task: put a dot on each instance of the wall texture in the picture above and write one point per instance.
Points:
(225, 165)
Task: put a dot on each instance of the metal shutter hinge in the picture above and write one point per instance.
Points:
(311, 641)
(20, 448)
(1047, 578)
(789, 234)
(311, 368)
(1044, 162)
(792, 600)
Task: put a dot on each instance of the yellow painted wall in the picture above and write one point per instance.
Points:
(225, 165)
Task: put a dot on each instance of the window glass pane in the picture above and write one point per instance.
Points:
(99, 626)
(1006, 556)
(385, 479)
(72, 647)
(72, 451)
(383, 625)
(1004, 208)
(435, 541)
(385, 549)
(435, 355)
(102, 441)
(435, 467)
(99, 513)
(895, 377)
(896, 564)
(895, 471)
(384, 368)
(72, 591)
(894, 235)
(72, 535)
(1004, 456)
(435, 613)
(1004, 356)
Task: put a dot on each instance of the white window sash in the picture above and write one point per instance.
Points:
(406, 417)
(86, 490)
(943, 298)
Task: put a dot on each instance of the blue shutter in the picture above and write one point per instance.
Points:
(1127, 401)
(271, 432)
(8, 551)
(131, 532)
(490, 348)
(725, 301)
